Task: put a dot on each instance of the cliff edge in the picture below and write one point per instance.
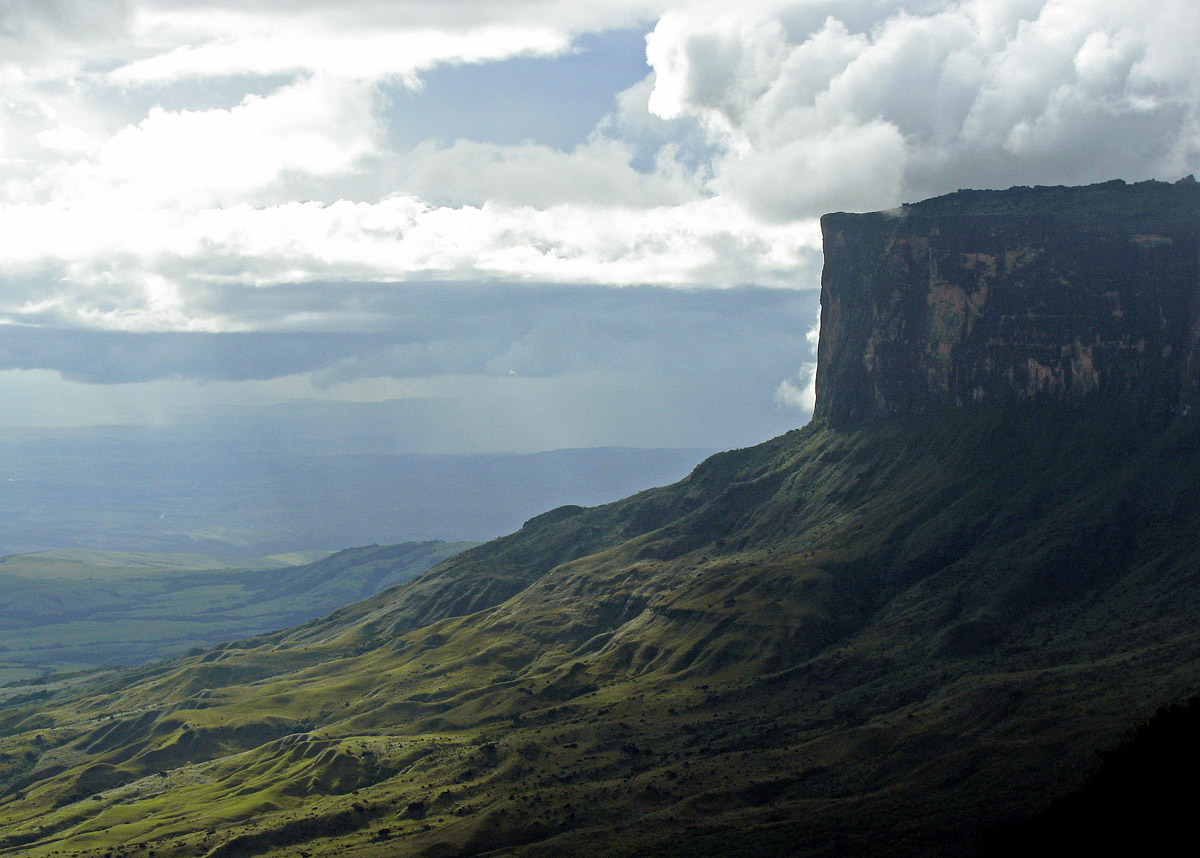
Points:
(1030, 293)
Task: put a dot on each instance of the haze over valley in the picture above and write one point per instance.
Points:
(137, 491)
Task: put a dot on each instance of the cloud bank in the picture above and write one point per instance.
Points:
(861, 105)
(174, 171)
(801, 107)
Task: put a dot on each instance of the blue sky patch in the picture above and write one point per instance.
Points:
(553, 101)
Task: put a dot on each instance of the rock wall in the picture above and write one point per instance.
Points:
(1031, 293)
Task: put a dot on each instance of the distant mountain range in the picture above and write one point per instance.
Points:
(124, 489)
(900, 630)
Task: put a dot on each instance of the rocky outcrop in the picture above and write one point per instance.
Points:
(1031, 293)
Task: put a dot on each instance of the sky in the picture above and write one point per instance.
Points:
(536, 224)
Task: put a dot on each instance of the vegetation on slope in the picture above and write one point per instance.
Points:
(871, 641)
(1181, 199)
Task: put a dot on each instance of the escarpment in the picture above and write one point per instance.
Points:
(889, 637)
(1030, 293)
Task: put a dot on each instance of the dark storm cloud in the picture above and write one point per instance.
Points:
(463, 329)
(118, 357)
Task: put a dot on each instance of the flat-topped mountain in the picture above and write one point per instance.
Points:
(893, 632)
(1031, 293)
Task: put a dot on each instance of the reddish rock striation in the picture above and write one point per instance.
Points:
(1031, 293)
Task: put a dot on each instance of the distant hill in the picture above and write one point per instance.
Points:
(893, 632)
(72, 609)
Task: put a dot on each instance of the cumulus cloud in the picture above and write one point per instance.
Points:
(209, 158)
(125, 213)
(364, 54)
(598, 173)
(865, 105)
(800, 391)
(228, 16)
(168, 259)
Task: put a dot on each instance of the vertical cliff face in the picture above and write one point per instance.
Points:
(1031, 293)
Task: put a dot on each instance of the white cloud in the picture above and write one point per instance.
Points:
(317, 126)
(848, 167)
(67, 141)
(706, 242)
(599, 173)
(866, 110)
(800, 391)
(139, 41)
(366, 54)
(709, 173)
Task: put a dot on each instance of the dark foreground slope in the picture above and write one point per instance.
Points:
(880, 640)
(1140, 800)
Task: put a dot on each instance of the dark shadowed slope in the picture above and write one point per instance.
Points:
(859, 640)
(1140, 799)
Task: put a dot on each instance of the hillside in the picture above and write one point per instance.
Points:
(890, 632)
(1139, 799)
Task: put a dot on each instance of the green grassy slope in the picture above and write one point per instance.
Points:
(876, 641)
(67, 610)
